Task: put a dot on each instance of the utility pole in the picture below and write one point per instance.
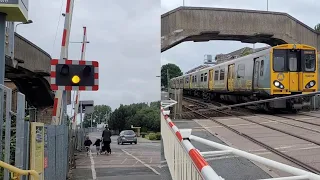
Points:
(168, 79)
(83, 50)
(267, 5)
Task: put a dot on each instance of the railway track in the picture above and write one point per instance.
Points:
(240, 114)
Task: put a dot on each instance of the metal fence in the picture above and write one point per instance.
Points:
(56, 152)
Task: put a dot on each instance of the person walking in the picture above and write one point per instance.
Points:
(97, 144)
(106, 136)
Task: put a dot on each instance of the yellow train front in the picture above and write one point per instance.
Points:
(293, 70)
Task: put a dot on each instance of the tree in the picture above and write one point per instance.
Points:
(99, 115)
(317, 27)
(174, 71)
(140, 114)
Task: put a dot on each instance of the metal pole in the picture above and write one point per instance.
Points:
(183, 2)
(168, 79)
(267, 5)
(80, 115)
(2, 47)
(91, 120)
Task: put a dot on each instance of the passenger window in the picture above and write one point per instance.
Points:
(262, 68)
(216, 75)
(205, 77)
(201, 79)
(221, 74)
(241, 71)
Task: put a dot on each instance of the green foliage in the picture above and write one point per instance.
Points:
(174, 71)
(317, 27)
(246, 52)
(158, 136)
(139, 115)
(152, 136)
(100, 114)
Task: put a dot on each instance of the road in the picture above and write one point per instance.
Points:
(134, 162)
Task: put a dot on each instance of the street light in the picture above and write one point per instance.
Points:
(28, 22)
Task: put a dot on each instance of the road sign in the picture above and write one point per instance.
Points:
(74, 75)
(16, 10)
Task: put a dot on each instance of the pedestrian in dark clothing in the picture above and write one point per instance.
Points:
(87, 144)
(106, 135)
(97, 144)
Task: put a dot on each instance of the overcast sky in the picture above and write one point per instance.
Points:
(188, 55)
(124, 37)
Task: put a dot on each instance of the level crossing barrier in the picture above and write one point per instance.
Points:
(185, 162)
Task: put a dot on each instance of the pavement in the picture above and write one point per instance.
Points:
(135, 162)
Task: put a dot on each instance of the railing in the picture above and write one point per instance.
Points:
(185, 162)
(19, 172)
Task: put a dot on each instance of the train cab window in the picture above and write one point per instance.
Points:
(201, 78)
(293, 62)
(205, 77)
(309, 61)
(261, 67)
(216, 75)
(221, 74)
(279, 58)
(241, 71)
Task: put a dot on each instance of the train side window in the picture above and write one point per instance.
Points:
(205, 77)
(216, 75)
(241, 71)
(201, 79)
(221, 74)
(261, 67)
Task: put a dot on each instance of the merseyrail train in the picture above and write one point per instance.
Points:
(281, 70)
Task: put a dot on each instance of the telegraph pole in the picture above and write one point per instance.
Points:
(168, 79)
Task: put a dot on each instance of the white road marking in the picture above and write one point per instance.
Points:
(93, 170)
(124, 160)
(146, 165)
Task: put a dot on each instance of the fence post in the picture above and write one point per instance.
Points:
(8, 130)
(20, 134)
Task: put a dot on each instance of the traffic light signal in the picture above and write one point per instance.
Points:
(74, 75)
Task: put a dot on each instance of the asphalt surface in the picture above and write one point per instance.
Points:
(228, 167)
(134, 162)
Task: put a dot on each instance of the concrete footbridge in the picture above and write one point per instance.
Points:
(249, 26)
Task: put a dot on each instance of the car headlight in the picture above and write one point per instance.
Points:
(310, 84)
(278, 84)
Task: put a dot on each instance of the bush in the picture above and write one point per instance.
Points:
(152, 136)
(158, 136)
(143, 134)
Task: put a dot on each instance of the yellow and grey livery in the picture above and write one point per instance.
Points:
(281, 70)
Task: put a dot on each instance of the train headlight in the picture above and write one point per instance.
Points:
(278, 84)
(310, 84)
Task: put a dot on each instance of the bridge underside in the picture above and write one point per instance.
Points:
(205, 36)
(35, 87)
(248, 26)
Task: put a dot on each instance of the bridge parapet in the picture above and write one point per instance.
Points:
(204, 24)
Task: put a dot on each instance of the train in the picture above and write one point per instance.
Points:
(278, 71)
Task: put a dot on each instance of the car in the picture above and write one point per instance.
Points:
(127, 136)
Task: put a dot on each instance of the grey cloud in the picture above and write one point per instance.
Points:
(124, 37)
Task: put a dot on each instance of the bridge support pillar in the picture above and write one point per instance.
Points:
(177, 95)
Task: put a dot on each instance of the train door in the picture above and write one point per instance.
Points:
(211, 79)
(231, 77)
(293, 72)
(255, 84)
